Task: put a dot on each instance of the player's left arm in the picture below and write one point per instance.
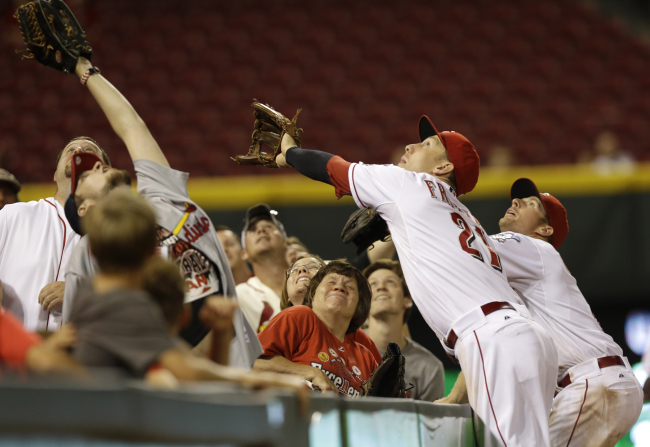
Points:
(316, 165)
(125, 121)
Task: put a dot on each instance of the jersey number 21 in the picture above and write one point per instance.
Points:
(467, 238)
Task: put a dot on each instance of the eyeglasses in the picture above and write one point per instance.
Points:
(308, 267)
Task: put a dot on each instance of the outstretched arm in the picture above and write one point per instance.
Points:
(125, 121)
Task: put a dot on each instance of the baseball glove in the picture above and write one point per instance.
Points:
(388, 379)
(52, 35)
(364, 228)
(270, 127)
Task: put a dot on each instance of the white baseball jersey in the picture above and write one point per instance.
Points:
(443, 250)
(451, 269)
(35, 244)
(258, 302)
(535, 270)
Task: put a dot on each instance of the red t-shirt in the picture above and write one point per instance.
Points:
(362, 338)
(298, 335)
(15, 341)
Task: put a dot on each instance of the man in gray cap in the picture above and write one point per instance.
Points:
(265, 247)
(9, 188)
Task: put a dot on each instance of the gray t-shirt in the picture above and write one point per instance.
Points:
(424, 371)
(123, 329)
(187, 235)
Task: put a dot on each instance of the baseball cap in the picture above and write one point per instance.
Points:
(266, 213)
(8, 177)
(461, 153)
(81, 162)
(557, 217)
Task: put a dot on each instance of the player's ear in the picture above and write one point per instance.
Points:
(544, 230)
(85, 207)
(443, 167)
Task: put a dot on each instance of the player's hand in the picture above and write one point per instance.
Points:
(286, 143)
(82, 67)
(217, 313)
(51, 296)
(282, 161)
(322, 382)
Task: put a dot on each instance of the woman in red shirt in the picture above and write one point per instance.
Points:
(315, 341)
(298, 277)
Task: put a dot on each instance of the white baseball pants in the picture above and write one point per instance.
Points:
(510, 368)
(598, 408)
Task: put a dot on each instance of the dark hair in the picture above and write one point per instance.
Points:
(284, 296)
(395, 267)
(106, 160)
(343, 267)
(164, 282)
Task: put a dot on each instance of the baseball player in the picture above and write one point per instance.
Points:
(36, 241)
(454, 275)
(186, 234)
(600, 398)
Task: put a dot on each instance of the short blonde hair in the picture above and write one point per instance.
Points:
(121, 230)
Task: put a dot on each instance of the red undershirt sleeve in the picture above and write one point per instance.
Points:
(337, 168)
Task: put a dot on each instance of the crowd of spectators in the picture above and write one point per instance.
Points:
(147, 287)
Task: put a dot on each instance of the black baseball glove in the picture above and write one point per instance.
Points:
(388, 379)
(270, 127)
(52, 34)
(364, 228)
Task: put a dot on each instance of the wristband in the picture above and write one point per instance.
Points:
(91, 71)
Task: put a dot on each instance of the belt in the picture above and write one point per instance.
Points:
(487, 310)
(603, 362)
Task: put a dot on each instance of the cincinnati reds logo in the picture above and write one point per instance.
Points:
(503, 237)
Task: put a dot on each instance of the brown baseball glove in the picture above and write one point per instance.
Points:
(270, 127)
(52, 34)
(388, 379)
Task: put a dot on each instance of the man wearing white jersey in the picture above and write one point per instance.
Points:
(36, 241)
(600, 398)
(454, 276)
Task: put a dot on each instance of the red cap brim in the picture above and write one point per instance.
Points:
(81, 162)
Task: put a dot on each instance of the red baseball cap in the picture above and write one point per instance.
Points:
(555, 211)
(460, 151)
(81, 162)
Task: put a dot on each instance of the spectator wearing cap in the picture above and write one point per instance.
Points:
(9, 188)
(390, 309)
(265, 247)
(36, 242)
(233, 249)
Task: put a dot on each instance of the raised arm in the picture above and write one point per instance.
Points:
(125, 121)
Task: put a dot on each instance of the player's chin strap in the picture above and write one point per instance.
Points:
(72, 215)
